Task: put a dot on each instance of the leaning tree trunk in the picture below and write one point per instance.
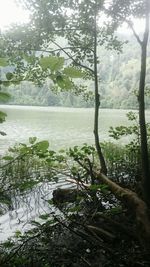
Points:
(97, 104)
(138, 206)
(142, 123)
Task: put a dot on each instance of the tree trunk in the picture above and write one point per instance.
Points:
(138, 206)
(97, 104)
(142, 123)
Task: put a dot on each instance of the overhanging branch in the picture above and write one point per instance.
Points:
(74, 61)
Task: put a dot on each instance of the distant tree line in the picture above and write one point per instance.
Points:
(118, 73)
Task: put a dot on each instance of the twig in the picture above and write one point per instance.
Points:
(101, 231)
(74, 61)
(77, 182)
(89, 264)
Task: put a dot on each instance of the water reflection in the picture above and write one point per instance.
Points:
(28, 207)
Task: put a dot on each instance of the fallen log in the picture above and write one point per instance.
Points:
(139, 207)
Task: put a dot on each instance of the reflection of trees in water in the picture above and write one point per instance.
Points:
(31, 204)
(27, 184)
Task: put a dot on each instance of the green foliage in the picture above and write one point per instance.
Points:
(9, 76)
(119, 82)
(2, 117)
(32, 140)
(51, 62)
(44, 216)
(8, 244)
(5, 199)
(115, 210)
(64, 82)
(26, 185)
(123, 167)
(78, 153)
(3, 62)
(120, 131)
(18, 234)
(8, 158)
(41, 146)
(46, 58)
(4, 96)
(73, 72)
(101, 187)
(132, 116)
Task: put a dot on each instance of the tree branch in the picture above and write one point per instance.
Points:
(74, 61)
(51, 51)
(134, 32)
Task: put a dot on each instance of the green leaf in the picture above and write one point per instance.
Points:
(8, 244)
(32, 140)
(9, 75)
(27, 185)
(15, 82)
(35, 223)
(52, 63)
(131, 116)
(94, 187)
(44, 216)
(64, 82)
(7, 158)
(18, 234)
(4, 97)
(29, 59)
(2, 116)
(3, 62)
(73, 72)
(115, 210)
(5, 199)
(75, 209)
(50, 201)
(6, 83)
(42, 146)
(2, 133)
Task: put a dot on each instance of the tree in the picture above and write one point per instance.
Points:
(141, 99)
(77, 21)
(124, 12)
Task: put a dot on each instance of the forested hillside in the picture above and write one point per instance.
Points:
(118, 73)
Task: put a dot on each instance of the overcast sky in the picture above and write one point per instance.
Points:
(11, 13)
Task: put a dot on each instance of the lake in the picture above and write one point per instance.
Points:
(62, 127)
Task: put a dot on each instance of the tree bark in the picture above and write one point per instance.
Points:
(139, 207)
(142, 122)
(97, 104)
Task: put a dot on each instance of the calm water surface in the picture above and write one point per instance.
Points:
(63, 127)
